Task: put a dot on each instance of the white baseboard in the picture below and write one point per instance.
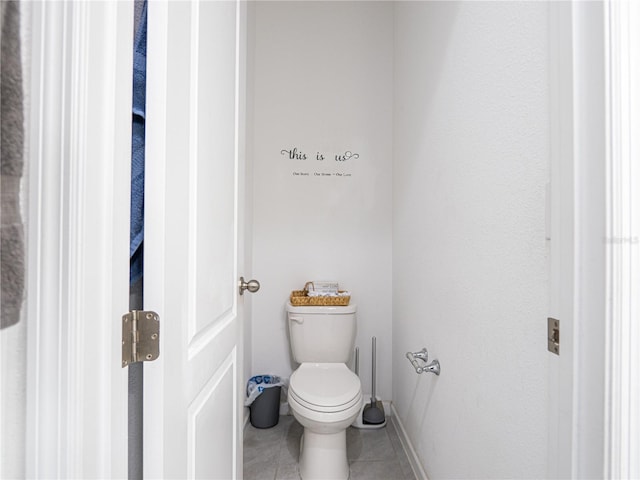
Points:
(414, 461)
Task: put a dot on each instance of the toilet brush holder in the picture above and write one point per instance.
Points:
(358, 423)
(372, 413)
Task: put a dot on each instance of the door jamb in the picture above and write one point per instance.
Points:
(78, 236)
(592, 205)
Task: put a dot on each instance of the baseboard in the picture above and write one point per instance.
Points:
(414, 461)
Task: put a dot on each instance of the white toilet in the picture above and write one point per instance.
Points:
(324, 395)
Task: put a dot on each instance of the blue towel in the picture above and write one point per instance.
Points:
(137, 149)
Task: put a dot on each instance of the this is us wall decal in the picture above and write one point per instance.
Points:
(297, 154)
(320, 164)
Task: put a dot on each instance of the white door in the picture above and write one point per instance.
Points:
(192, 395)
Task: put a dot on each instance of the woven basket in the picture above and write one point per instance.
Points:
(299, 298)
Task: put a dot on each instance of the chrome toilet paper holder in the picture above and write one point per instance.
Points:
(416, 358)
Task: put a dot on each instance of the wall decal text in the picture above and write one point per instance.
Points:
(297, 154)
(321, 165)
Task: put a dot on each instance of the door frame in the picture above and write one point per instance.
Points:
(590, 65)
(592, 245)
(577, 218)
(622, 430)
(78, 238)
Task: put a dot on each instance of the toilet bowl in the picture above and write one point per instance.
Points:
(323, 395)
(325, 399)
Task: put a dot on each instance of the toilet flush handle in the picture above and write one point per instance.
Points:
(297, 320)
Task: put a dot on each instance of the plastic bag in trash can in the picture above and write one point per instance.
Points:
(257, 384)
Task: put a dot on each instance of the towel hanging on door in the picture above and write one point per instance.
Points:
(12, 262)
(137, 149)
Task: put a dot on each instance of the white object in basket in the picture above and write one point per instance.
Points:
(323, 286)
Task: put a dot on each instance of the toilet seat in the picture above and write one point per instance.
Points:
(325, 387)
(324, 421)
(325, 409)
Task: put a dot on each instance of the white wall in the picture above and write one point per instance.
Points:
(323, 83)
(470, 272)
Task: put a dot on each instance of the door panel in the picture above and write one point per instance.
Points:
(192, 404)
(213, 174)
(207, 425)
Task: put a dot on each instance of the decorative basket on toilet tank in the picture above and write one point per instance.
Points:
(320, 294)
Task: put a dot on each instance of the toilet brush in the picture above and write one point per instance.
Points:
(373, 413)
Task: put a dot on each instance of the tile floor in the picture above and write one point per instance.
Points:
(272, 453)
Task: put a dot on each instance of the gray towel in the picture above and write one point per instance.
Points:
(12, 271)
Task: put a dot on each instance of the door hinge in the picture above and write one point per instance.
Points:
(553, 335)
(140, 337)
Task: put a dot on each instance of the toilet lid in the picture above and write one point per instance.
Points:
(325, 385)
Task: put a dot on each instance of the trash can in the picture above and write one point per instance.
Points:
(263, 400)
(264, 412)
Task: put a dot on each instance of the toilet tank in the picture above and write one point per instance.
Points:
(321, 334)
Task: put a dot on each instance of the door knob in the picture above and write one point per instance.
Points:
(252, 285)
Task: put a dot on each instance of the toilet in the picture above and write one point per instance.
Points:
(324, 395)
